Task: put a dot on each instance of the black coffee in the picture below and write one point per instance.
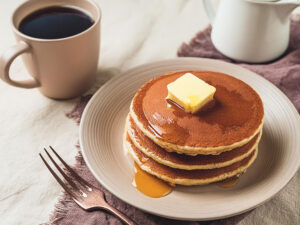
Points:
(55, 22)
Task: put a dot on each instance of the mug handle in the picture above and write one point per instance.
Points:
(210, 11)
(6, 60)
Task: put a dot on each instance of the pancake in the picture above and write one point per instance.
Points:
(234, 120)
(186, 162)
(186, 177)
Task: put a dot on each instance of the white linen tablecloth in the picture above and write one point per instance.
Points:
(133, 32)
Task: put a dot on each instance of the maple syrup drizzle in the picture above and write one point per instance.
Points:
(228, 183)
(150, 185)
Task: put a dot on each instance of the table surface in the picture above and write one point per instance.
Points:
(135, 33)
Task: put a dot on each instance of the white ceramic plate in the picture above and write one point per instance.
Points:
(102, 128)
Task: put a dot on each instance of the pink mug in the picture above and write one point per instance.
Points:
(61, 68)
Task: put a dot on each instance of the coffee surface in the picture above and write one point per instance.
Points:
(55, 22)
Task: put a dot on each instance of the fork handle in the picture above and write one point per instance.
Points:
(119, 214)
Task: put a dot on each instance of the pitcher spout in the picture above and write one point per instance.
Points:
(285, 7)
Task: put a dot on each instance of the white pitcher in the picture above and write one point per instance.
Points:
(251, 30)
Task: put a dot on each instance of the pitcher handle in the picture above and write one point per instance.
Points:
(5, 62)
(210, 11)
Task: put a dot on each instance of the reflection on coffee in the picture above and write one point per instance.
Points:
(55, 22)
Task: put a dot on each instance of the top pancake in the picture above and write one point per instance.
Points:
(236, 117)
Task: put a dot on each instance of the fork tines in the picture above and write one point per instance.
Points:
(75, 191)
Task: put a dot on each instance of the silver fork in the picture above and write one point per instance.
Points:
(84, 194)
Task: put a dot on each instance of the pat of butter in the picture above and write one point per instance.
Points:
(190, 92)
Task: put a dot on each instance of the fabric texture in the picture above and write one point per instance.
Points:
(283, 72)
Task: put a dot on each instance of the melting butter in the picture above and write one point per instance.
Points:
(190, 92)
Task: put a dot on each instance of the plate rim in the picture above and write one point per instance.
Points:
(169, 61)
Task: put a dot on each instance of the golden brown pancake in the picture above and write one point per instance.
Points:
(234, 120)
(187, 162)
(186, 177)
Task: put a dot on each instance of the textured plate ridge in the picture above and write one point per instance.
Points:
(102, 128)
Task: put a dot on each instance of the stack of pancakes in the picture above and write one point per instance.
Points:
(192, 149)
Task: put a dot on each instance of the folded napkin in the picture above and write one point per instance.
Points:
(283, 72)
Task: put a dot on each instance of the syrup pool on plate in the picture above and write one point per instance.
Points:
(150, 185)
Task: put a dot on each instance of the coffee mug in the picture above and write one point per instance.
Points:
(61, 68)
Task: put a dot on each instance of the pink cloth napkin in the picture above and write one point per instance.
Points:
(283, 72)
